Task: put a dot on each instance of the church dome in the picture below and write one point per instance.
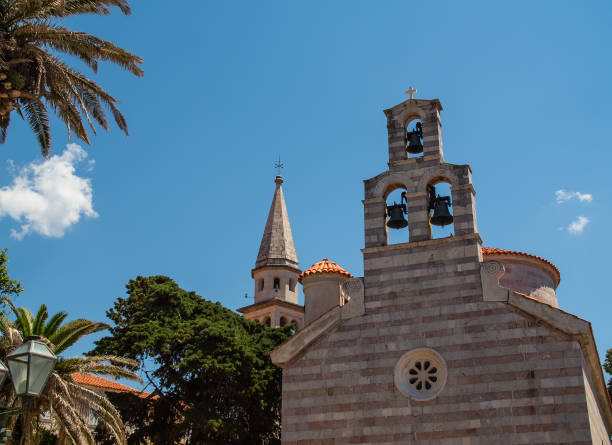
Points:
(527, 274)
(324, 266)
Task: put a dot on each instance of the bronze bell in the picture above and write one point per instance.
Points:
(413, 139)
(441, 215)
(396, 214)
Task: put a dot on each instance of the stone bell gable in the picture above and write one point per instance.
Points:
(428, 347)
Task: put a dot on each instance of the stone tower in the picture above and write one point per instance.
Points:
(442, 341)
(276, 270)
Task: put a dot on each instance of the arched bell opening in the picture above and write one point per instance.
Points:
(283, 321)
(414, 138)
(441, 218)
(396, 216)
(268, 321)
(276, 285)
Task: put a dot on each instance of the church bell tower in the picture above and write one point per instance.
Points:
(276, 270)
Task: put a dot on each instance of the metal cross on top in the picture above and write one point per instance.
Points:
(411, 91)
(279, 165)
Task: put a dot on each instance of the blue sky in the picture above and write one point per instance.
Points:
(230, 86)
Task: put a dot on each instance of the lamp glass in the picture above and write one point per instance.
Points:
(40, 369)
(3, 373)
(18, 365)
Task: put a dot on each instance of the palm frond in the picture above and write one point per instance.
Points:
(31, 37)
(23, 317)
(49, 9)
(103, 410)
(37, 118)
(88, 48)
(39, 320)
(5, 120)
(72, 331)
(27, 321)
(69, 420)
(67, 367)
(54, 323)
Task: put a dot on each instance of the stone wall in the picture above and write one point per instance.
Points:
(599, 434)
(510, 379)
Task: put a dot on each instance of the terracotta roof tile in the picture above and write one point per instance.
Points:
(324, 266)
(494, 251)
(84, 378)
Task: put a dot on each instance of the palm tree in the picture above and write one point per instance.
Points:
(68, 403)
(33, 78)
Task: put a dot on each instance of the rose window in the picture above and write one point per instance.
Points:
(420, 374)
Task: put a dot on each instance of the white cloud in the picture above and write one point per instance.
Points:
(47, 197)
(577, 227)
(562, 195)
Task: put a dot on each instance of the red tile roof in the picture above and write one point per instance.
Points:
(324, 266)
(494, 251)
(84, 378)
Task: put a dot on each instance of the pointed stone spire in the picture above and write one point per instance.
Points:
(277, 248)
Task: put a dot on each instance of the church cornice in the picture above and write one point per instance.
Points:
(276, 267)
(268, 303)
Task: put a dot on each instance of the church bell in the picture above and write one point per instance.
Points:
(396, 213)
(441, 215)
(439, 204)
(413, 139)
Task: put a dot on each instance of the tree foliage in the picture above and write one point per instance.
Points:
(69, 404)
(33, 77)
(214, 380)
(8, 287)
(607, 366)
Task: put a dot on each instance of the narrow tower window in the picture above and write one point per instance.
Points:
(261, 284)
(414, 139)
(396, 212)
(440, 214)
(292, 285)
(276, 283)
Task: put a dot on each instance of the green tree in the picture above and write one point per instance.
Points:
(8, 287)
(607, 366)
(33, 77)
(69, 403)
(214, 380)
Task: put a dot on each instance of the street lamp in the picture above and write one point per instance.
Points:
(30, 365)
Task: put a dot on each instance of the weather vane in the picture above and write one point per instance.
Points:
(279, 165)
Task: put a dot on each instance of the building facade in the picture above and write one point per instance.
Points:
(442, 341)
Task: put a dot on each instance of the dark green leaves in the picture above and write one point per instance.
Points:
(212, 365)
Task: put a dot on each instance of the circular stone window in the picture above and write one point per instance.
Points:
(420, 374)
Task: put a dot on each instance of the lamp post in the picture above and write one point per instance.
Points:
(30, 365)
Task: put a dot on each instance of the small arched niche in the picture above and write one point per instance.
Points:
(414, 137)
(396, 218)
(440, 208)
